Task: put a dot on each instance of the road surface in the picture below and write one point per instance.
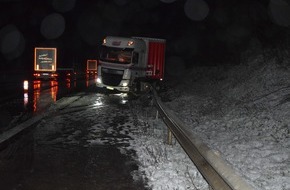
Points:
(78, 146)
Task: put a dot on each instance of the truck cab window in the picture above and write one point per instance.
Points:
(116, 55)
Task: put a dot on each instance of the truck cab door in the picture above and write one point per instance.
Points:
(135, 58)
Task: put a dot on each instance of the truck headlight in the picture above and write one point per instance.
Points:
(99, 80)
(125, 84)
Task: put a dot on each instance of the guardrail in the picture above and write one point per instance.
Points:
(215, 170)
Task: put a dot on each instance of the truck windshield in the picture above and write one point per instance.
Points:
(116, 55)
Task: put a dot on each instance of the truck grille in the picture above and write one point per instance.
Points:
(112, 77)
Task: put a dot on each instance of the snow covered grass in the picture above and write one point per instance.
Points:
(165, 166)
(243, 113)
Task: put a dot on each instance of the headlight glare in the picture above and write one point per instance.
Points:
(99, 80)
(124, 84)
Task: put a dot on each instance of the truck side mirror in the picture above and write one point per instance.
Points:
(135, 57)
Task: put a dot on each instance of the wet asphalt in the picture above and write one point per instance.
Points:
(83, 146)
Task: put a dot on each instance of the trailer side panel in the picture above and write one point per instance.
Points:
(156, 59)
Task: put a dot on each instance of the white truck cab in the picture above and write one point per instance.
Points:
(125, 62)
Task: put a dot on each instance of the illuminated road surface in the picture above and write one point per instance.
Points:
(82, 146)
(32, 97)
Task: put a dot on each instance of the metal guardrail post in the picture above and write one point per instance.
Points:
(157, 115)
(169, 137)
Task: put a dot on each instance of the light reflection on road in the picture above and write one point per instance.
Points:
(43, 98)
(44, 93)
(90, 78)
(53, 90)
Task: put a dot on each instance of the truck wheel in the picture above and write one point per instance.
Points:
(156, 85)
(137, 87)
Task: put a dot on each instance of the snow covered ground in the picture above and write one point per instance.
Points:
(240, 111)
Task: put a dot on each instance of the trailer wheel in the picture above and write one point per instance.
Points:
(159, 86)
(136, 87)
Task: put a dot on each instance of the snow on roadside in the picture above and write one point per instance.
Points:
(243, 113)
(166, 167)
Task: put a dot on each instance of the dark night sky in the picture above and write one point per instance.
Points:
(197, 31)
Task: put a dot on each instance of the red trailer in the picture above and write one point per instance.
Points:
(156, 59)
(127, 64)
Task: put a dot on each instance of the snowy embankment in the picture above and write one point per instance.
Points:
(241, 112)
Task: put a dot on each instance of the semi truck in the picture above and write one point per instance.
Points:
(92, 66)
(128, 64)
(45, 60)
